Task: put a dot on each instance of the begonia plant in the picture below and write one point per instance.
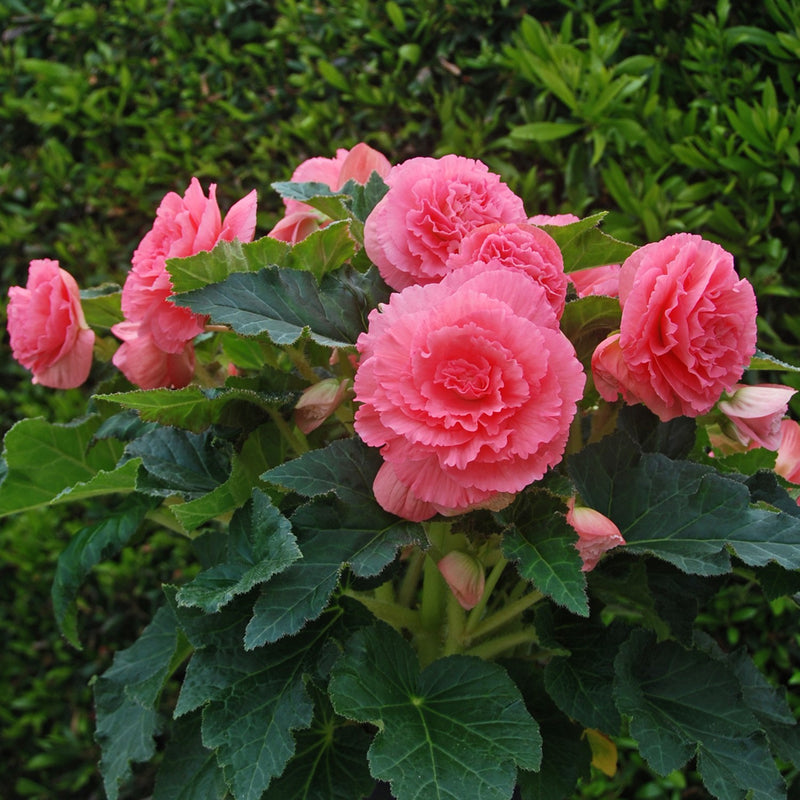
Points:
(458, 478)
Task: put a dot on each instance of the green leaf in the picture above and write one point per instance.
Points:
(260, 544)
(213, 266)
(252, 701)
(180, 462)
(317, 195)
(580, 683)
(583, 244)
(125, 697)
(683, 703)
(544, 131)
(682, 512)
(192, 407)
(457, 729)
(189, 770)
(762, 360)
(345, 468)
(330, 763)
(121, 480)
(102, 306)
(86, 549)
(365, 197)
(331, 535)
(539, 539)
(285, 304)
(587, 321)
(44, 459)
(325, 250)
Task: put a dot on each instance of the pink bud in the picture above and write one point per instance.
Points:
(318, 402)
(361, 162)
(465, 577)
(596, 533)
(756, 413)
(787, 464)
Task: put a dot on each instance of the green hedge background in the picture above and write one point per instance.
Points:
(670, 114)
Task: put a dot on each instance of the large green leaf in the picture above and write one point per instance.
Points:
(683, 703)
(252, 701)
(457, 729)
(539, 539)
(126, 696)
(330, 762)
(259, 545)
(180, 462)
(682, 512)
(325, 250)
(213, 266)
(44, 459)
(189, 771)
(331, 535)
(284, 304)
(193, 408)
(121, 480)
(87, 548)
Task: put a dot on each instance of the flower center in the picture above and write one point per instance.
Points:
(468, 379)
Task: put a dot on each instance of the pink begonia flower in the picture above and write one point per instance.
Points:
(465, 576)
(184, 226)
(147, 365)
(688, 328)
(787, 464)
(519, 246)
(468, 386)
(756, 413)
(301, 219)
(431, 206)
(47, 328)
(553, 219)
(596, 533)
(318, 402)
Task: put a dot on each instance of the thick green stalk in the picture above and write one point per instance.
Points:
(505, 615)
(495, 647)
(491, 581)
(398, 617)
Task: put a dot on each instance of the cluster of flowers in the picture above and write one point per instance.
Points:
(465, 380)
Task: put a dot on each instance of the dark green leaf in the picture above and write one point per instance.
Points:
(540, 541)
(260, 544)
(458, 729)
(583, 244)
(86, 549)
(181, 462)
(285, 304)
(683, 703)
(189, 770)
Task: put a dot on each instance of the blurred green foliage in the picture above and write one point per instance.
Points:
(678, 115)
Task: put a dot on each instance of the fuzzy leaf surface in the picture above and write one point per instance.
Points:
(457, 729)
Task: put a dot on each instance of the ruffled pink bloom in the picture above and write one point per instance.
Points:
(596, 533)
(468, 387)
(147, 365)
(688, 328)
(431, 206)
(184, 226)
(465, 576)
(596, 280)
(756, 413)
(516, 246)
(357, 164)
(787, 464)
(47, 328)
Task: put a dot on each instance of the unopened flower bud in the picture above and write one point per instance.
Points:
(756, 413)
(318, 402)
(596, 533)
(465, 577)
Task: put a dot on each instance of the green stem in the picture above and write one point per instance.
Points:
(491, 581)
(398, 617)
(505, 614)
(495, 647)
(292, 438)
(407, 592)
(298, 359)
(456, 619)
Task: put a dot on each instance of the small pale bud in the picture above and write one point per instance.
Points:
(596, 533)
(465, 577)
(318, 402)
(756, 413)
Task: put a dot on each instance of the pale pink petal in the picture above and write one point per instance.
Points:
(756, 413)
(787, 462)
(465, 576)
(360, 163)
(396, 498)
(240, 221)
(596, 533)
